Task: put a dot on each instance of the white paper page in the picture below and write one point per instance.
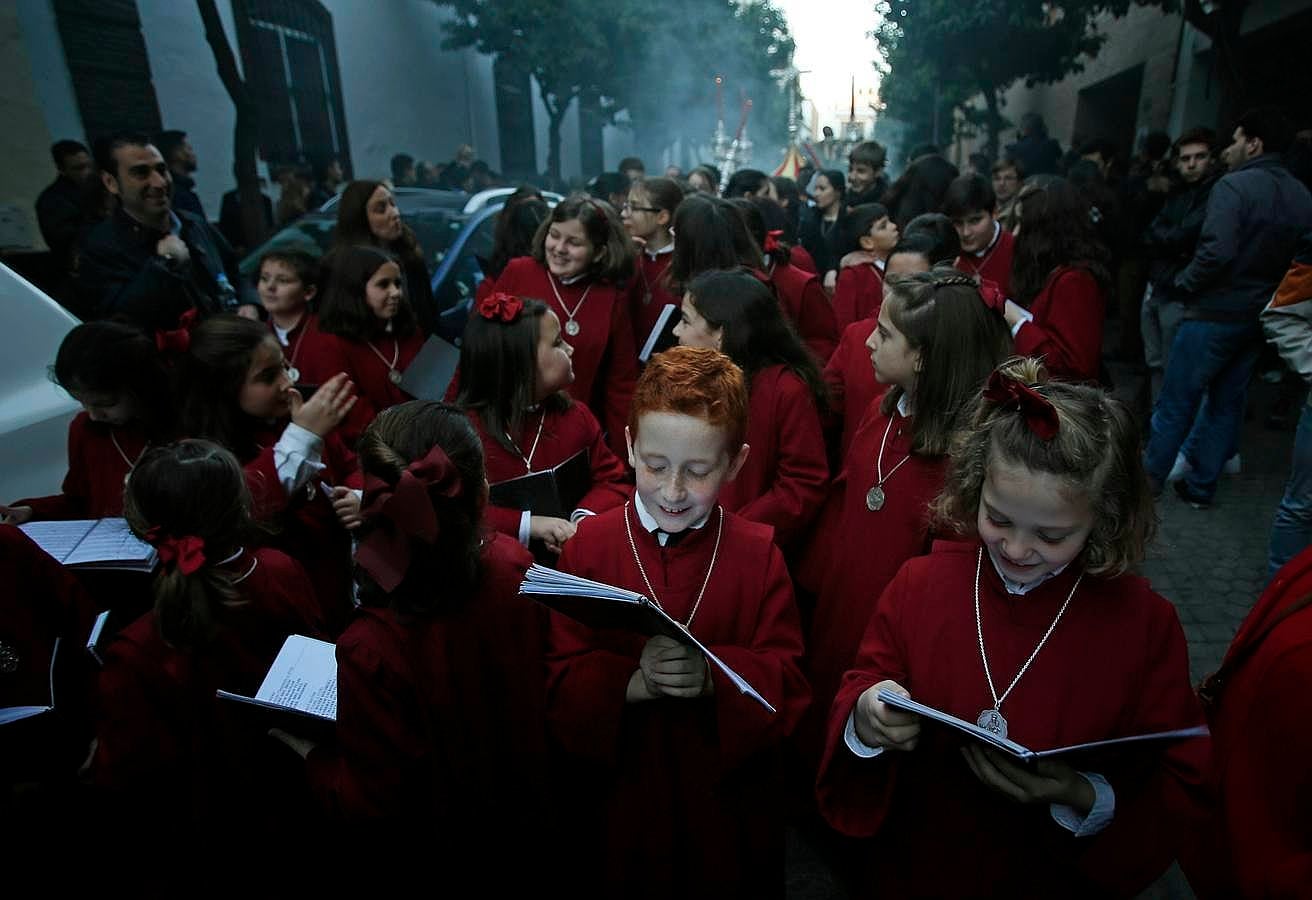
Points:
(110, 540)
(899, 702)
(18, 713)
(657, 330)
(541, 580)
(58, 538)
(303, 677)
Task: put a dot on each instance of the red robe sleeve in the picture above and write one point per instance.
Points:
(610, 476)
(858, 294)
(618, 377)
(815, 320)
(1067, 326)
(800, 257)
(72, 500)
(771, 663)
(797, 484)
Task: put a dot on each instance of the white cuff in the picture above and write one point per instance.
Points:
(1025, 316)
(297, 457)
(579, 514)
(1100, 814)
(524, 530)
(854, 743)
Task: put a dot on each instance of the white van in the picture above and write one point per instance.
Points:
(34, 412)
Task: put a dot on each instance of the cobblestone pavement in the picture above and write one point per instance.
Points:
(1210, 563)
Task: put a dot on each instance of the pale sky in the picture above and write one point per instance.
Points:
(834, 43)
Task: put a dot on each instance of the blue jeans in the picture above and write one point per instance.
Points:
(1212, 362)
(1292, 531)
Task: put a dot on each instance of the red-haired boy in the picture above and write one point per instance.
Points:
(681, 765)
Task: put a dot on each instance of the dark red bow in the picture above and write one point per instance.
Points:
(772, 240)
(177, 340)
(188, 552)
(992, 295)
(1040, 415)
(500, 305)
(402, 513)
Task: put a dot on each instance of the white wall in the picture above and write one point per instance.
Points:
(45, 54)
(24, 138)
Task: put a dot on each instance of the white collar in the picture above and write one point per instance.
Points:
(880, 263)
(997, 233)
(572, 279)
(1015, 588)
(904, 405)
(668, 248)
(649, 524)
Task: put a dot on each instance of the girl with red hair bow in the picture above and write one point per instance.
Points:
(516, 368)
(167, 749)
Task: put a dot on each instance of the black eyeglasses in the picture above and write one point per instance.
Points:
(629, 207)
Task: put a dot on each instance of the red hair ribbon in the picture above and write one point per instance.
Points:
(402, 513)
(772, 240)
(1040, 415)
(188, 552)
(500, 305)
(992, 295)
(177, 340)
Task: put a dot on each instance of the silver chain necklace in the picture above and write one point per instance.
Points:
(719, 532)
(991, 719)
(875, 496)
(571, 326)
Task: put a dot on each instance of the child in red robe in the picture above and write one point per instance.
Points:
(986, 247)
(516, 367)
(783, 480)
(800, 293)
(1252, 837)
(126, 392)
(648, 215)
(581, 265)
(678, 791)
(1059, 281)
(288, 281)
(366, 329)
(238, 392)
(1035, 629)
(934, 343)
(167, 749)
(870, 235)
(440, 690)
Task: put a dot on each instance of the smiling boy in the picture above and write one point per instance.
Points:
(682, 764)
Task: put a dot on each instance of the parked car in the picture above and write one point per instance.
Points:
(454, 231)
(34, 412)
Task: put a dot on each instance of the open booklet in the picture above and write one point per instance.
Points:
(301, 686)
(10, 714)
(1025, 754)
(93, 544)
(600, 605)
(550, 492)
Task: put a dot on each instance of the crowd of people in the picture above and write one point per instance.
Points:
(804, 408)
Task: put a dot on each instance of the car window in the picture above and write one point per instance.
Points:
(455, 293)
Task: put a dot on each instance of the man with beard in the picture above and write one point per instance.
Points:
(181, 159)
(148, 263)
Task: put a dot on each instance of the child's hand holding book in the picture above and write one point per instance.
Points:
(880, 725)
(1049, 781)
(673, 669)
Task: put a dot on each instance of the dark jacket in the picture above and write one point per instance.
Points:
(184, 196)
(1255, 216)
(230, 221)
(1037, 154)
(121, 274)
(820, 240)
(1172, 236)
(61, 215)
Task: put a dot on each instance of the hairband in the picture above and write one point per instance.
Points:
(188, 551)
(177, 339)
(772, 240)
(500, 305)
(1009, 393)
(402, 513)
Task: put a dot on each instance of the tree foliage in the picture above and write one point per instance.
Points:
(659, 64)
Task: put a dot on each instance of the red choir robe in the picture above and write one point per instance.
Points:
(305, 527)
(45, 616)
(649, 293)
(325, 355)
(167, 748)
(993, 263)
(563, 434)
(97, 469)
(850, 376)
(1251, 835)
(291, 347)
(1067, 327)
(605, 360)
(854, 552)
(858, 294)
(685, 791)
(804, 302)
(783, 481)
(802, 258)
(1115, 665)
(441, 719)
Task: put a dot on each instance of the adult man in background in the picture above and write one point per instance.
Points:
(61, 209)
(1255, 215)
(181, 159)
